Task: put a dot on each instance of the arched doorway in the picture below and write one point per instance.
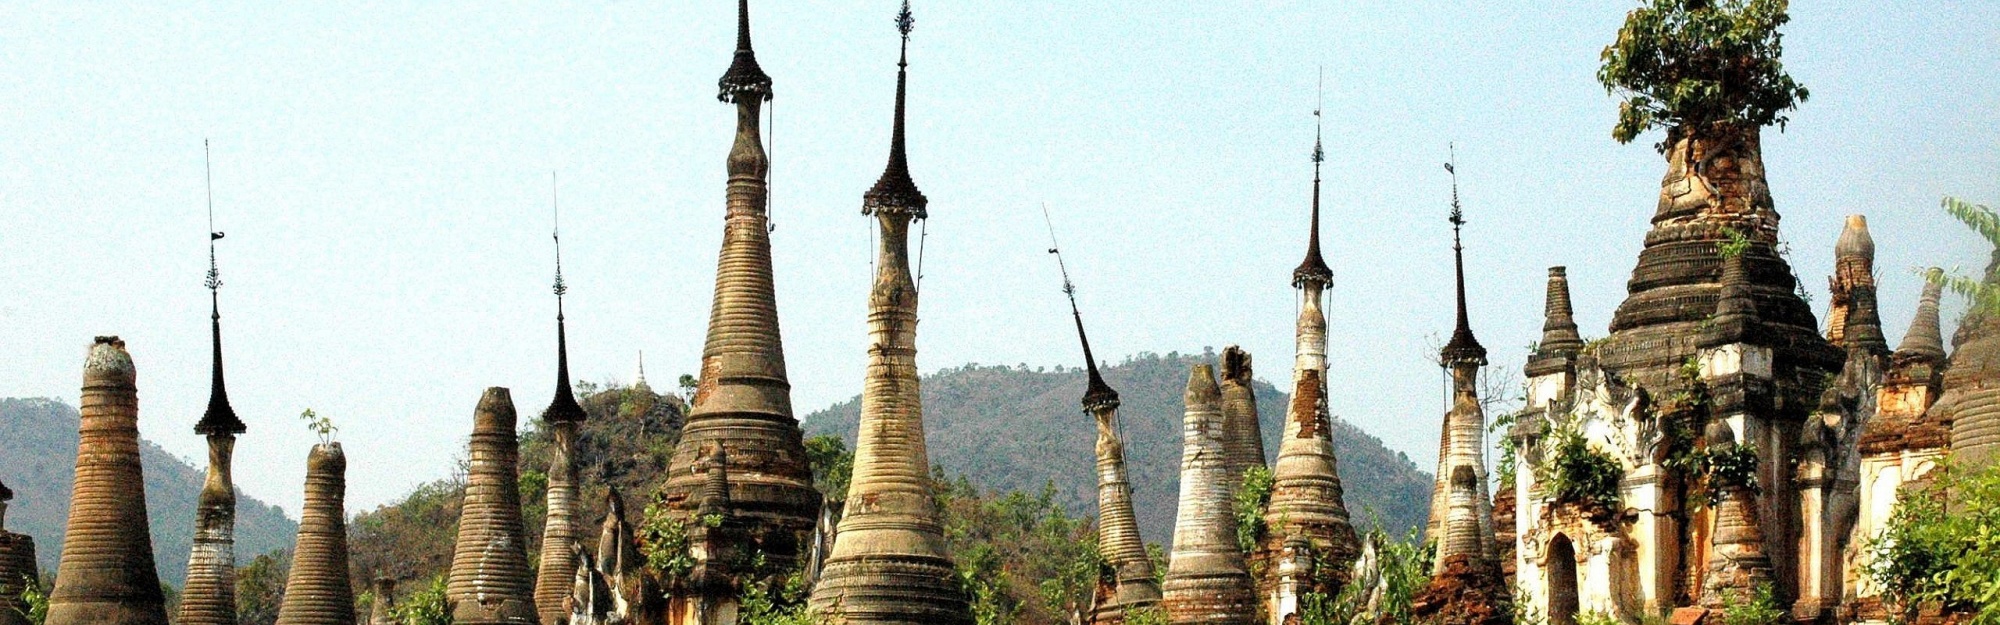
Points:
(1562, 581)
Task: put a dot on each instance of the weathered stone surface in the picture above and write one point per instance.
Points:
(1245, 447)
(744, 397)
(381, 611)
(1133, 584)
(318, 591)
(1971, 398)
(107, 575)
(1465, 591)
(209, 596)
(560, 550)
(1307, 497)
(489, 583)
(1207, 579)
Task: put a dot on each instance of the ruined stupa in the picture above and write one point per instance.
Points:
(888, 563)
(107, 571)
(318, 591)
(1465, 585)
(743, 401)
(1245, 447)
(1307, 499)
(382, 610)
(489, 583)
(209, 596)
(1208, 581)
(1133, 585)
(557, 573)
(17, 566)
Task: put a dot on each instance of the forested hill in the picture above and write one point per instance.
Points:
(38, 460)
(1016, 429)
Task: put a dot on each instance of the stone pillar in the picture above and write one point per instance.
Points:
(489, 583)
(382, 610)
(1307, 497)
(1208, 581)
(318, 591)
(107, 571)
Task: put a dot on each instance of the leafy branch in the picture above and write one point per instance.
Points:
(323, 426)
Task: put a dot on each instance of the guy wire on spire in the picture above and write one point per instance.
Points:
(214, 274)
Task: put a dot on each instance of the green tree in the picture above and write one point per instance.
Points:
(260, 588)
(424, 607)
(832, 465)
(1700, 67)
(1981, 292)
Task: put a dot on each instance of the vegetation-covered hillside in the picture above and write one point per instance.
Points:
(38, 460)
(1020, 429)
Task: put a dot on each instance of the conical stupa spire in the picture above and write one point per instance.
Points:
(108, 575)
(889, 562)
(1924, 339)
(1308, 501)
(318, 591)
(1735, 308)
(488, 583)
(1559, 332)
(209, 595)
(1245, 445)
(1313, 268)
(1462, 347)
(743, 395)
(745, 80)
(1134, 583)
(556, 576)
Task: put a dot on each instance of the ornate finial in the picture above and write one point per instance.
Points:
(642, 368)
(1097, 394)
(1463, 347)
(895, 192)
(1313, 269)
(220, 418)
(744, 78)
(563, 407)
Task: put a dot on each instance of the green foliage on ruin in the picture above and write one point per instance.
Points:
(1507, 453)
(320, 425)
(1149, 615)
(1701, 67)
(664, 541)
(427, 606)
(1404, 568)
(1941, 546)
(1763, 608)
(34, 601)
(1734, 245)
(1253, 496)
(1021, 558)
(1576, 474)
(773, 597)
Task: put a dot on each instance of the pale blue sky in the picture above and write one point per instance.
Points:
(382, 171)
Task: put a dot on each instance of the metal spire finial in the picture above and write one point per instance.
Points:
(896, 192)
(220, 418)
(1463, 347)
(745, 78)
(563, 407)
(1313, 269)
(1097, 393)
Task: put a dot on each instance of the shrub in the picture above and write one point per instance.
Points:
(1253, 496)
(1576, 474)
(1942, 545)
(1699, 66)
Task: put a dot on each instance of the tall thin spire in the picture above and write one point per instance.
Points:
(1313, 268)
(895, 190)
(556, 575)
(890, 562)
(220, 418)
(1097, 392)
(563, 407)
(745, 78)
(1463, 346)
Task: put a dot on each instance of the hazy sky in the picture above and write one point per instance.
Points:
(382, 172)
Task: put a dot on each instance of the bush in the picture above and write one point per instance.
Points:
(424, 607)
(1253, 496)
(1763, 609)
(1575, 474)
(1942, 545)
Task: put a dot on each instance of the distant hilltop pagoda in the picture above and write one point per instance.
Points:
(742, 406)
(889, 563)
